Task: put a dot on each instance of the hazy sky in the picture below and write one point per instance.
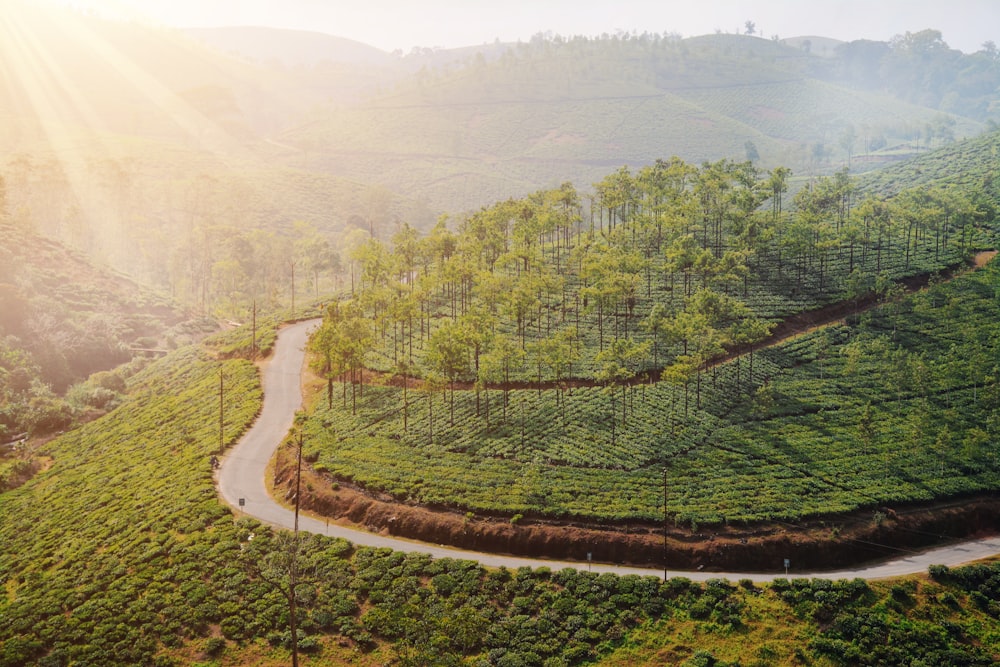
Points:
(403, 24)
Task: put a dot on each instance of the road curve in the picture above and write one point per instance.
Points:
(243, 471)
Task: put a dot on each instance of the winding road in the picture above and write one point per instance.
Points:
(241, 482)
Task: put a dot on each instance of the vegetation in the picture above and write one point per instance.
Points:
(62, 320)
(584, 353)
(567, 346)
(158, 549)
(588, 104)
(151, 190)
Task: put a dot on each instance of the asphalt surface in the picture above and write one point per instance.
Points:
(242, 473)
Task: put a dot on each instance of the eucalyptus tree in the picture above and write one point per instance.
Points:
(616, 193)
(315, 252)
(402, 369)
(433, 383)
(712, 190)
(776, 186)
(438, 246)
(375, 263)
(526, 234)
(705, 344)
(657, 325)
(915, 208)
(877, 215)
(503, 356)
(476, 328)
(447, 356)
(726, 192)
(662, 191)
(567, 200)
(681, 256)
(619, 364)
(406, 253)
(852, 237)
(486, 234)
(826, 205)
(519, 303)
(403, 309)
(611, 274)
(711, 321)
(843, 190)
(341, 344)
(557, 353)
(746, 332)
(327, 360)
(457, 276)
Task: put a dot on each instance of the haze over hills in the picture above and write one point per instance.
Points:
(290, 47)
(117, 129)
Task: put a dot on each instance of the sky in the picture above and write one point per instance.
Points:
(404, 24)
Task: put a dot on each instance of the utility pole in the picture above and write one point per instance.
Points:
(294, 570)
(664, 522)
(253, 331)
(222, 430)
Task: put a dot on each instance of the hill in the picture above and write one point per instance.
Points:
(545, 110)
(548, 368)
(63, 319)
(289, 47)
(144, 149)
(222, 146)
(119, 552)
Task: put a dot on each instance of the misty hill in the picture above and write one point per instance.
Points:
(290, 47)
(62, 319)
(552, 110)
(141, 146)
(814, 44)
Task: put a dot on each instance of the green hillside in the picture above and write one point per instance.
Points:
(564, 364)
(142, 146)
(969, 165)
(544, 354)
(121, 554)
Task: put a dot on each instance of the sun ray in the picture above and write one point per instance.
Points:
(66, 79)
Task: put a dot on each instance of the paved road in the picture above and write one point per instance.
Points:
(242, 474)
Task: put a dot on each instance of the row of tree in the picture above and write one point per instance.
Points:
(667, 269)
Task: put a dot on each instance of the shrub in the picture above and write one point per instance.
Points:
(233, 627)
(444, 584)
(48, 415)
(214, 646)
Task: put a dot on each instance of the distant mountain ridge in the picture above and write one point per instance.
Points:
(289, 47)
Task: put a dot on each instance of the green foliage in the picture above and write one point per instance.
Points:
(558, 101)
(61, 320)
(126, 525)
(594, 366)
(140, 477)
